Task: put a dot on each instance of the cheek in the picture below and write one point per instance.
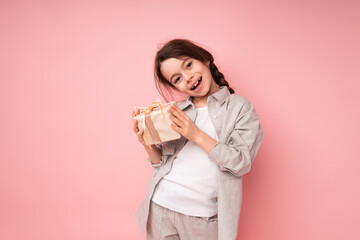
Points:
(207, 72)
(181, 86)
(204, 69)
(177, 87)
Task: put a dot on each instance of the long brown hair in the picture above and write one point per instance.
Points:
(177, 48)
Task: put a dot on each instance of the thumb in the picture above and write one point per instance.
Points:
(140, 132)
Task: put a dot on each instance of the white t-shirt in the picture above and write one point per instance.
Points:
(191, 185)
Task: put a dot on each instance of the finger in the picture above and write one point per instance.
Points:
(135, 126)
(176, 121)
(140, 136)
(178, 111)
(175, 111)
(176, 128)
(135, 112)
(140, 132)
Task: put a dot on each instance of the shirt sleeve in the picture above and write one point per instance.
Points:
(238, 151)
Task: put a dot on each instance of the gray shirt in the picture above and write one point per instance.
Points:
(240, 134)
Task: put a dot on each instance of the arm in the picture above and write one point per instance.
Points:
(154, 155)
(238, 152)
(187, 128)
(205, 141)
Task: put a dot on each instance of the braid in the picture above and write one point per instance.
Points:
(219, 77)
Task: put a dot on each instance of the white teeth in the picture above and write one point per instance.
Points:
(197, 83)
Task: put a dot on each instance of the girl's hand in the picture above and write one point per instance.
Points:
(183, 124)
(153, 152)
(138, 132)
(135, 112)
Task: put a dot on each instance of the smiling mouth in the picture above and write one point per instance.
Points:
(196, 84)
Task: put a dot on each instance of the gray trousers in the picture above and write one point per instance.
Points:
(165, 224)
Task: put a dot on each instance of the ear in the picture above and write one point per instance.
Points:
(208, 63)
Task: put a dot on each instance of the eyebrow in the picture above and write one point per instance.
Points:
(182, 64)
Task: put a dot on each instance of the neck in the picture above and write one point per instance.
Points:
(202, 101)
(198, 103)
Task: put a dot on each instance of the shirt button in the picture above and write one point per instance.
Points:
(231, 142)
(214, 116)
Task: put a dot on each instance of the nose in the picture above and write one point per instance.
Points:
(188, 76)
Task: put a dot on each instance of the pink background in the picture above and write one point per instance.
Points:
(71, 71)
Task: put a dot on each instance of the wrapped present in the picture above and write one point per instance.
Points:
(156, 123)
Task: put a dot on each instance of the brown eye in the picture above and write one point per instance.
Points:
(189, 65)
(176, 79)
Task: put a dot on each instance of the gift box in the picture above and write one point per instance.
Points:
(157, 123)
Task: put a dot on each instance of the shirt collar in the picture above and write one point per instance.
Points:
(220, 96)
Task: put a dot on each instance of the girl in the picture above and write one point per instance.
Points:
(196, 187)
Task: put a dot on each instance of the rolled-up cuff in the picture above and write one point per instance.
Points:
(214, 153)
(154, 164)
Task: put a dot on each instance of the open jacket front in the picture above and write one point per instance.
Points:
(240, 134)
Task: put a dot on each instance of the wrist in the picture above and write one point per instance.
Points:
(200, 137)
(153, 147)
(154, 153)
(205, 141)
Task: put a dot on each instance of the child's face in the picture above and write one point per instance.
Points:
(189, 76)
